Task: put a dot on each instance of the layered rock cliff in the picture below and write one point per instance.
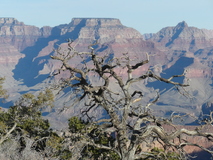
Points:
(189, 50)
(25, 55)
(113, 38)
(106, 29)
(183, 37)
(15, 37)
(20, 35)
(25, 60)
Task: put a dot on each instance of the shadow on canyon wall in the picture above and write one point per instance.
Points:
(27, 69)
(202, 155)
(176, 69)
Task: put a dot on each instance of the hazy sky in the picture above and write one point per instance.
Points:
(147, 16)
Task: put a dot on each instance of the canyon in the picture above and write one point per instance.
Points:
(26, 64)
(25, 58)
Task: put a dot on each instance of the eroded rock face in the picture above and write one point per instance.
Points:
(183, 37)
(25, 56)
(15, 36)
(102, 29)
(112, 36)
(26, 50)
(9, 55)
(196, 47)
(20, 35)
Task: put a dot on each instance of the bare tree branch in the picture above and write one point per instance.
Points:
(132, 122)
(3, 138)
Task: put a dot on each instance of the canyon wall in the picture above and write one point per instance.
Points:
(25, 56)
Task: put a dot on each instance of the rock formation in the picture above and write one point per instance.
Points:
(20, 35)
(183, 37)
(25, 59)
(15, 37)
(25, 55)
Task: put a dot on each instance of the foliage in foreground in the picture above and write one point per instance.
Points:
(23, 127)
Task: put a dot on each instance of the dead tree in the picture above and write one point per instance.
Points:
(114, 93)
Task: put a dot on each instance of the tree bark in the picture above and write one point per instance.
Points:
(3, 138)
(130, 155)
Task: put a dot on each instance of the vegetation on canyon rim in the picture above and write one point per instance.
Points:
(122, 133)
